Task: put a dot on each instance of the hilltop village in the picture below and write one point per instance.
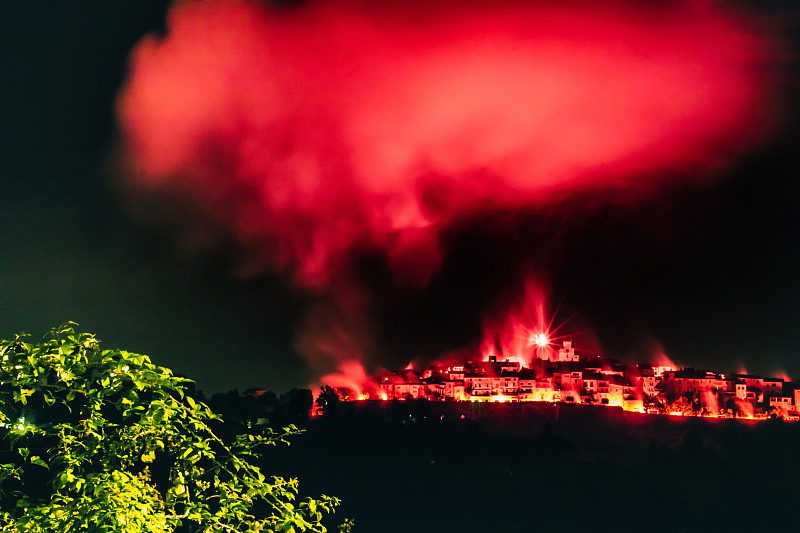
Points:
(562, 375)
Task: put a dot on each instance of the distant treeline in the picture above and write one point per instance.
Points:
(255, 407)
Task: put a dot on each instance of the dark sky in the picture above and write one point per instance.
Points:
(710, 270)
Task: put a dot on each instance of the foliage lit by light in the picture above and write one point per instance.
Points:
(103, 419)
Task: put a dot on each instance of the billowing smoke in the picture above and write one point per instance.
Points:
(333, 138)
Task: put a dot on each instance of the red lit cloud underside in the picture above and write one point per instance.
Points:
(333, 125)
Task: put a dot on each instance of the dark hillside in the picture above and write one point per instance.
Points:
(520, 468)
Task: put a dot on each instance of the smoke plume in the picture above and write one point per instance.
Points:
(334, 138)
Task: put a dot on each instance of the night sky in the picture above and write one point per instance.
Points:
(708, 268)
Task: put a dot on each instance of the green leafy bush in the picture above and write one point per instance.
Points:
(105, 441)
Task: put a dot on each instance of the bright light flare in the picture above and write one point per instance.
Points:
(541, 340)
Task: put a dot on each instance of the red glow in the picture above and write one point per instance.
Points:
(515, 334)
(710, 403)
(745, 408)
(525, 331)
(351, 377)
(660, 358)
(338, 124)
(330, 127)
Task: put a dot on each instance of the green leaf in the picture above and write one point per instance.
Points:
(35, 460)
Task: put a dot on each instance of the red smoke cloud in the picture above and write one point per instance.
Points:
(329, 127)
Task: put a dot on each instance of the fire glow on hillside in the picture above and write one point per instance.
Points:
(569, 377)
(525, 365)
(319, 133)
